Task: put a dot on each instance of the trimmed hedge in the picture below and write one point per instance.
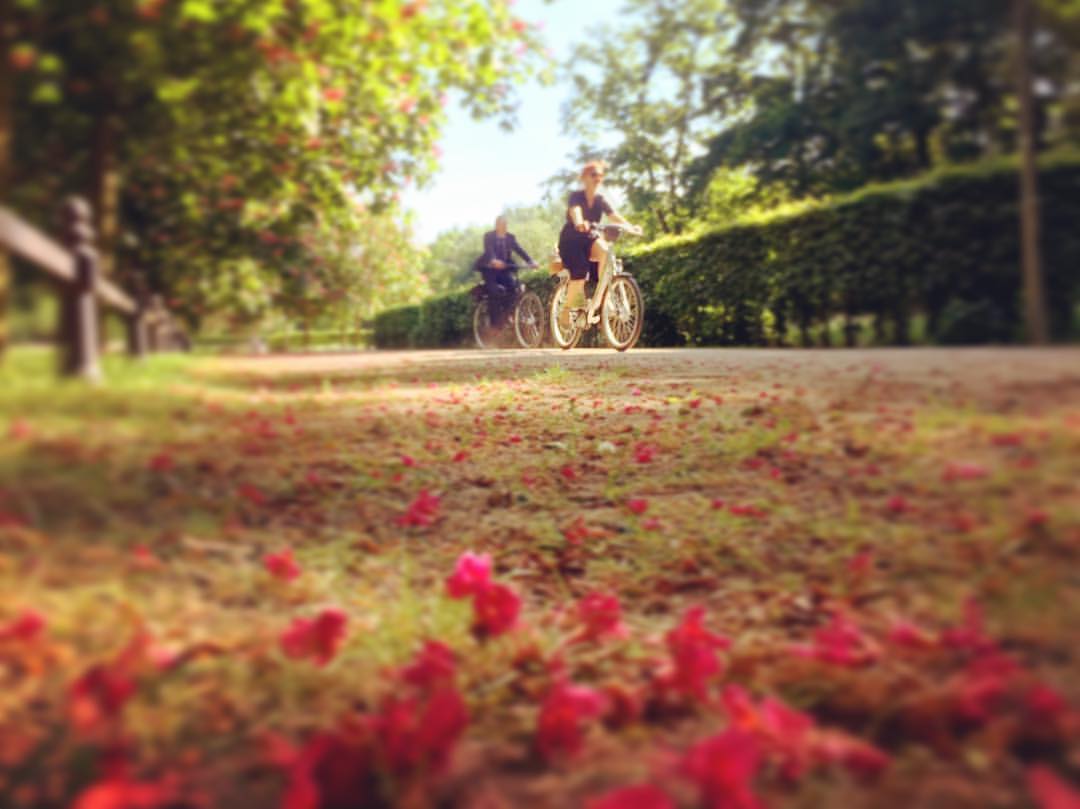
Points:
(444, 321)
(944, 246)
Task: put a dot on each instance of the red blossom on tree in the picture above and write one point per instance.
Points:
(559, 729)
(318, 638)
(282, 565)
(422, 511)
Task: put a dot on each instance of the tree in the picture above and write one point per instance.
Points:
(642, 97)
(212, 123)
(449, 260)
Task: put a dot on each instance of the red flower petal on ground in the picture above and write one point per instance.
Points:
(638, 505)
(601, 616)
(317, 638)
(859, 757)
(471, 574)
(723, 767)
(746, 510)
(559, 729)
(693, 651)
(99, 696)
(333, 94)
(1049, 790)
(964, 470)
(645, 796)
(422, 511)
(644, 453)
(282, 565)
(460, 456)
(162, 462)
(122, 793)
(905, 633)
(897, 504)
(840, 643)
(251, 493)
(495, 610)
(28, 625)
(416, 734)
(434, 664)
(568, 472)
(970, 635)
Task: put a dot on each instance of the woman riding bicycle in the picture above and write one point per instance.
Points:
(581, 246)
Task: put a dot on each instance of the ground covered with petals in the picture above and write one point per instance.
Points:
(721, 579)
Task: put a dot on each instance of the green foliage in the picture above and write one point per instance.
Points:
(448, 264)
(946, 242)
(443, 321)
(256, 149)
(945, 246)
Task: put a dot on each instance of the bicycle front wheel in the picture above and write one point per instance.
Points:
(623, 313)
(529, 321)
(568, 337)
(483, 332)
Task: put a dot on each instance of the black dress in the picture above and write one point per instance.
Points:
(574, 247)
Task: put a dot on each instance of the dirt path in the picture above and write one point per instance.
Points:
(825, 578)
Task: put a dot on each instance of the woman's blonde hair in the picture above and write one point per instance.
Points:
(597, 165)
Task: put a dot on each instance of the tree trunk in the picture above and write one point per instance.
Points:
(1031, 260)
(7, 125)
(106, 189)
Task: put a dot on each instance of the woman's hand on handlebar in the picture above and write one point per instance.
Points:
(582, 227)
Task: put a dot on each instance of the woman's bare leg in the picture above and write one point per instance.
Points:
(599, 254)
(575, 299)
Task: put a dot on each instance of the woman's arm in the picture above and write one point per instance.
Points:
(578, 218)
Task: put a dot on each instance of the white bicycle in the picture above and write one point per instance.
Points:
(616, 304)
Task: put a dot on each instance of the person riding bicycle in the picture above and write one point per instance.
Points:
(496, 266)
(582, 247)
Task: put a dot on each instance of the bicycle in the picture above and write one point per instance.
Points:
(527, 315)
(616, 303)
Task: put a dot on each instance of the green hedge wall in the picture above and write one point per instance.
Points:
(945, 246)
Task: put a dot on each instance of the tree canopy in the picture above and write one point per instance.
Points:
(234, 147)
(806, 97)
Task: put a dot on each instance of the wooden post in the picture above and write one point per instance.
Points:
(79, 328)
(7, 129)
(138, 341)
(1031, 259)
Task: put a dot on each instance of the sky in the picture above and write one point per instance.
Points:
(485, 169)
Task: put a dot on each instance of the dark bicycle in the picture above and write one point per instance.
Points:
(526, 314)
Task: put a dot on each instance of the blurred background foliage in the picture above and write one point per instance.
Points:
(708, 108)
(246, 157)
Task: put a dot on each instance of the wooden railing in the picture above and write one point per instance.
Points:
(74, 268)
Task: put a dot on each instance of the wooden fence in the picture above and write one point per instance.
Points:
(74, 268)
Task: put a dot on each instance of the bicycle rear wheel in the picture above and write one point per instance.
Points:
(623, 313)
(529, 321)
(564, 338)
(483, 332)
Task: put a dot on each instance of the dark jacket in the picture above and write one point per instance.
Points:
(504, 252)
